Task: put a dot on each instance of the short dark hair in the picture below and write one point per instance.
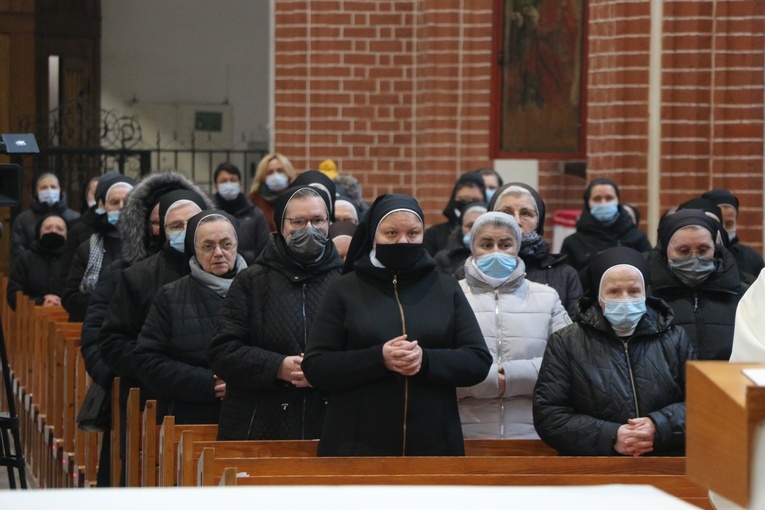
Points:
(226, 167)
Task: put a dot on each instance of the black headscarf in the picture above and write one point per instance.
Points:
(341, 228)
(721, 197)
(363, 238)
(609, 258)
(598, 182)
(191, 229)
(674, 222)
(107, 181)
(172, 197)
(472, 179)
(315, 177)
(534, 194)
(704, 204)
(280, 206)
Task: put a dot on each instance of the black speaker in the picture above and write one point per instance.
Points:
(10, 185)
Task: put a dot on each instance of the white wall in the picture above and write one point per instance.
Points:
(182, 51)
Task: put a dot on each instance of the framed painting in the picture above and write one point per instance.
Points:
(538, 102)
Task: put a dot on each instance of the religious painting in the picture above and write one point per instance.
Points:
(537, 99)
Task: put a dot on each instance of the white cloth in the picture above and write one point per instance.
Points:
(516, 319)
(749, 335)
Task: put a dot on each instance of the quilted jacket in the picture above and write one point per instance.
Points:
(591, 382)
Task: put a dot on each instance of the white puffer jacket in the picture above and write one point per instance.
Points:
(516, 319)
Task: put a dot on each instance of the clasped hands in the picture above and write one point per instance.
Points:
(402, 356)
(635, 437)
(291, 371)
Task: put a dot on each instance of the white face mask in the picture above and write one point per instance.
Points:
(277, 182)
(91, 203)
(229, 190)
(49, 196)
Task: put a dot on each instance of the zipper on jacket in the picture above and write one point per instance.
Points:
(252, 420)
(305, 344)
(695, 301)
(499, 363)
(632, 377)
(406, 378)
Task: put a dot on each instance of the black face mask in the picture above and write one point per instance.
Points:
(52, 241)
(308, 244)
(399, 256)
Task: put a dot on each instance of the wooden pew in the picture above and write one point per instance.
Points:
(169, 438)
(665, 473)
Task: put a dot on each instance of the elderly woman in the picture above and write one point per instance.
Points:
(391, 342)
(36, 271)
(273, 175)
(263, 324)
(516, 318)
(523, 203)
(451, 259)
(171, 352)
(614, 381)
(699, 279)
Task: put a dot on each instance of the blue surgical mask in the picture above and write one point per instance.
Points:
(605, 212)
(177, 239)
(624, 314)
(466, 240)
(49, 196)
(229, 190)
(496, 264)
(113, 217)
(489, 194)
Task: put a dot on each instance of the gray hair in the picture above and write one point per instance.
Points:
(516, 190)
(499, 220)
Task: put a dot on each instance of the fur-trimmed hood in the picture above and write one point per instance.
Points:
(134, 218)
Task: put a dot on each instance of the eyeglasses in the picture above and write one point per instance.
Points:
(298, 223)
(225, 246)
(176, 226)
(523, 214)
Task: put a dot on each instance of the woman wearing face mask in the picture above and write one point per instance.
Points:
(516, 318)
(103, 247)
(523, 203)
(172, 348)
(451, 259)
(613, 383)
(47, 198)
(260, 336)
(391, 342)
(36, 271)
(274, 175)
(698, 279)
(603, 224)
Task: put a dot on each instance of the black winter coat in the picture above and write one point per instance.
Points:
(79, 232)
(553, 271)
(747, 258)
(36, 272)
(591, 382)
(436, 238)
(23, 229)
(74, 300)
(593, 236)
(172, 351)
(253, 226)
(94, 319)
(453, 256)
(266, 317)
(708, 312)
(375, 411)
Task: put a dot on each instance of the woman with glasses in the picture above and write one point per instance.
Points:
(172, 348)
(523, 203)
(260, 336)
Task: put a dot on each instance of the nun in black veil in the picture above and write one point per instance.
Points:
(391, 342)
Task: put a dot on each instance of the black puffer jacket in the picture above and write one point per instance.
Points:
(266, 317)
(78, 233)
(36, 272)
(371, 407)
(453, 256)
(747, 258)
(593, 236)
(171, 352)
(74, 299)
(708, 312)
(253, 225)
(23, 229)
(591, 382)
(553, 271)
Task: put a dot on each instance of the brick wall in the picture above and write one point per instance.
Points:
(397, 92)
